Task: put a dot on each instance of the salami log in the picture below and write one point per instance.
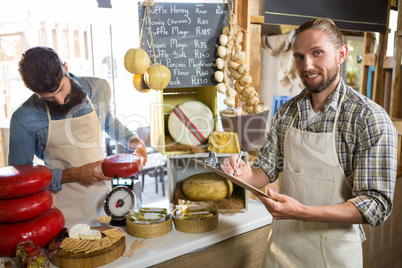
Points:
(23, 180)
(122, 165)
(41, 230)
(25, 208)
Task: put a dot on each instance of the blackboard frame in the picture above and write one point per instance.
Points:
(190, 56)
(351, 15)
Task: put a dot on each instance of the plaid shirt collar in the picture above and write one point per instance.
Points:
(333, 98)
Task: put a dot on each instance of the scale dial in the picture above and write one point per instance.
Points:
(118, 202)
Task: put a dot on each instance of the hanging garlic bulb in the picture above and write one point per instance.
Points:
(233, 73)
(220, 63)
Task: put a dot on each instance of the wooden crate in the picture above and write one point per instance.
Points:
(163, 104)
(180, 167)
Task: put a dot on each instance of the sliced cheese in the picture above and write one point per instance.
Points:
(75, 231)
(223, 142)
(90, 235)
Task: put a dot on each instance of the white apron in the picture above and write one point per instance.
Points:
(313, 176)
(74, 142)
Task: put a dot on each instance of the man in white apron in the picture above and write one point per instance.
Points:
(63, 127)
(337, 152)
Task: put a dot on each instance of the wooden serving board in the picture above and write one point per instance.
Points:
(64, 258)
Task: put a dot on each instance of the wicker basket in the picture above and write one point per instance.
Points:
(149, 230)
(196, 226)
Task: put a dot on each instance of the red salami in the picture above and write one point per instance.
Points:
(23, 180)
(41, 230)
(122, 165)
(25, 208)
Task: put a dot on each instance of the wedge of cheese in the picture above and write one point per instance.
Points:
(223, 142)
(90, 235)
(75, 231)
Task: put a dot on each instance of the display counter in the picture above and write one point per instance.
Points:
(245, 232)
(176, 243)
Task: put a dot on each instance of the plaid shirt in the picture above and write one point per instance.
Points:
(366, 144)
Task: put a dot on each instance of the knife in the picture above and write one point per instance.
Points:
(59, 238)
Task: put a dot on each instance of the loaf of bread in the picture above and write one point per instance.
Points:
(207, 187)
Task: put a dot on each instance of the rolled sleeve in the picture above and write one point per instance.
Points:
(375, 173)
(55, 185)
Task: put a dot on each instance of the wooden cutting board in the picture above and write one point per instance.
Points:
(64, 258)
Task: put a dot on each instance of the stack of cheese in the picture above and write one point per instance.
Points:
(188, 210)
(26, 207)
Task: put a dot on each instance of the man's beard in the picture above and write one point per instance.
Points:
(332, 75)
(75, 98)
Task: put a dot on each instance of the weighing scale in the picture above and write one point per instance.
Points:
(124, 195)
(118, 202)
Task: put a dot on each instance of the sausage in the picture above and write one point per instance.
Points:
(41, 230)
(23, 180)
(122, 165)
(25, 208)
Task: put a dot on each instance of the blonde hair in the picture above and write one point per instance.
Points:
(323, 24)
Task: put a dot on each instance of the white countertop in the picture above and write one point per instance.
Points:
(177, 243)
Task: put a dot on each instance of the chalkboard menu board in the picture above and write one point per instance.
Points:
(185, 37)
(355, 15)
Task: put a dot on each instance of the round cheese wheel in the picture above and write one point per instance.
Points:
(41, 230)
(190, 123)
(207, 187)
(23, 180)
(121, 165)
(26, 207)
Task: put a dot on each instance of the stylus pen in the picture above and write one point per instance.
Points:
(238, 162)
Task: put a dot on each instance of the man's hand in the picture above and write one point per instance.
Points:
(284, 207)
(139, 149)
(288, 208)
(87, 174)
(229, 165)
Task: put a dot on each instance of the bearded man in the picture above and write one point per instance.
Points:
(62, 124)
(337, 151)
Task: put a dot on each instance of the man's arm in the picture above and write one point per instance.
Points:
(21, 145)
(288, 208)
(87, 174)
(254, 176)
(139, 148)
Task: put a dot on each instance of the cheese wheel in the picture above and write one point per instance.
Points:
(207, 187)
(191, 123)
(122, 165)
(41, 230)
(25, 208)
(23, 180)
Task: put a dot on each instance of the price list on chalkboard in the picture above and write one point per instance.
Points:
(185, 38)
